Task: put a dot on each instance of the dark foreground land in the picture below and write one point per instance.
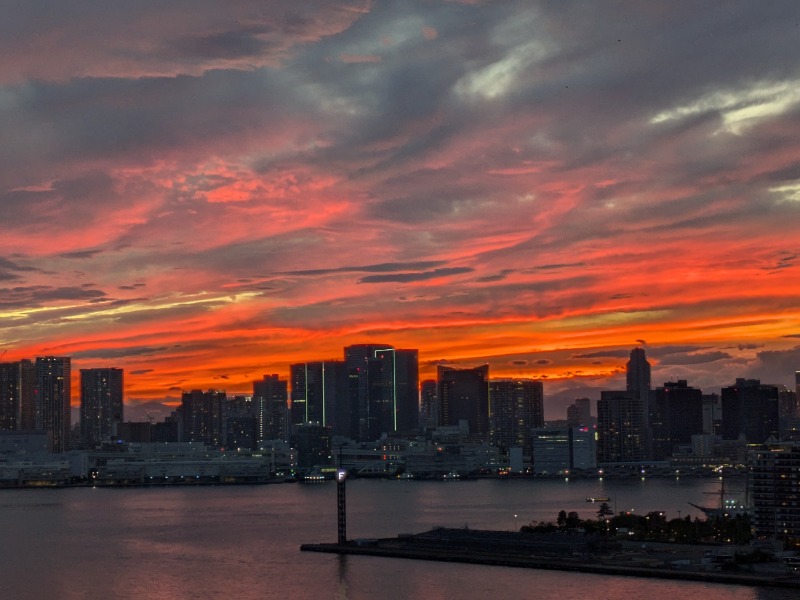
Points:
(573, 552)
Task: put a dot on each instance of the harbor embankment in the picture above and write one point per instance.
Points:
(585, 554)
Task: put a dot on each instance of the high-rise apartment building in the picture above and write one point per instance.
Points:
(270, 404)
(52, 400)
(464, 396)
(203, 417)
(101, 405)
(620, 427)
(776, 489)
(516, 406)
(17, 401)
(429, 409)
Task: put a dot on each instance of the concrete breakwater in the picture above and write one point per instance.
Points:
(562, 552)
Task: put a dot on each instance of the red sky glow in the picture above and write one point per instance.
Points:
(202, 193)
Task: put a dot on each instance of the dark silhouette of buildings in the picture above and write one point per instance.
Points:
(17, 401)
(270, 406)
(316, 389)
(101, 405)
(776, 488)
(620, 427)
(382, 394)
(750, 409)
(52, 398)
(516, 407)
(429, 406)
(202, 417)
(637, 374)
(312, 442)
(464, 396)
(579, 413)
(676, 414)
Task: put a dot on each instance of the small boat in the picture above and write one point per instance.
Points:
(598, 499)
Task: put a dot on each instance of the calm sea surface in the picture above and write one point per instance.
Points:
(243, 542)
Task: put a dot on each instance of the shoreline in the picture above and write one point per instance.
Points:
(516, 553)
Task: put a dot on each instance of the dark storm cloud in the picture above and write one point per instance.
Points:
(410, 277)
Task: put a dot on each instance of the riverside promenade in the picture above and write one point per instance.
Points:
(567, 552)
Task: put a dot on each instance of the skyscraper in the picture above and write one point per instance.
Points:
(637, 374)
(52, 399)
(203, 417)
(383, 391)
(101, 405)
(429, 409)
(517, 406)
(17, 385)
(367, 407)
(316, 388)
(270, 403)
(463, 395)
(620, 427)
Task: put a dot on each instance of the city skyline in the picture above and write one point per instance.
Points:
(205, 194)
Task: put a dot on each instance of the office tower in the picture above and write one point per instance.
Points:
(676, 414)
(464, 396)
(366, 410)
(620, 427)
(750, 409)
(17, 401)
(579, 413)
(383, 391)
(316, 386)
(202, 417)
(270, 405)
(101, 405)
(516, 406)
(428, 403)
(561, 449)
(52, 400)
(637, 374)
(775, 489)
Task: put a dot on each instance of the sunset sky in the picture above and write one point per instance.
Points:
(204, 192)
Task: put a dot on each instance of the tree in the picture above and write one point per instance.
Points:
(604, 511)
(561, 521)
